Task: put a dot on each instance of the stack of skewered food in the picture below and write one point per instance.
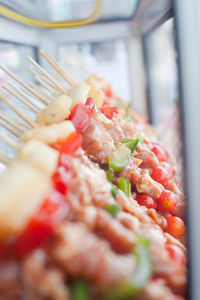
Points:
(91, 206)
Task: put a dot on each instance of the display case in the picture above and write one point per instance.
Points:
(148, 50)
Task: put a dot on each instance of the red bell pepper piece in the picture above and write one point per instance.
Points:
(90, 103)
(61, 179)
(80, 117)
(40, 227)
(159, 151)
(109, 92)
(71, 144)
(108, 110)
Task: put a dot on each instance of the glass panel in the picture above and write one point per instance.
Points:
(109, 59)
(163, 79)
(68, 10)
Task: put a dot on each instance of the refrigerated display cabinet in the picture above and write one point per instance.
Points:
(149, 52)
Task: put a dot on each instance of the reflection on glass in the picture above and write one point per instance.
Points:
(107, 59)
(164, 86)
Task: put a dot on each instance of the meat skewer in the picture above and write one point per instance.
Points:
(88, 231)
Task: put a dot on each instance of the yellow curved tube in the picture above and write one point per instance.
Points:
(6, 12)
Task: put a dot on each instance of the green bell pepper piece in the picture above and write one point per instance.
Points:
(114, 191)
(124, 185)
(110, 175)
(119, 158)
(132, 287)
(131, 144)
(80, 290)
(113, 209)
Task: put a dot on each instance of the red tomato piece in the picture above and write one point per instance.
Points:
(109, 111)
(109, 92)
(160, 175)
(167, 201)
(61, 179)
(80, 117)
(179, 210)
(146, 200)
(176, 253)
(52, 212)
(159, 152)
(175, 226)
(90, 103)
(71, 144)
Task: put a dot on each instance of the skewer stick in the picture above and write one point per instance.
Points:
(13, 122)
(9, 141)
(17, 111)
(28, 88)
(20, 96)
(45, 85)
(46, 81)
(27, 98)
(42, 92)
(4, 159)
(57, 85)
(10, 128)
(57, 67)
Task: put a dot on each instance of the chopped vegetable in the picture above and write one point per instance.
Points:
(161, 175)
(90, 103)
(108, 110)
(175, 226)
(40, 227)
(113, 209)
(80, 290)
(71, 144)
(131, 144)
(141, 140)
(119, 158)
(110, 175)
(114, 190)
(109, 92)
(159, 152)
(124, 185)
(80, 117)
(129, 289)
(146, 200)
(167, 201)
(61, 179)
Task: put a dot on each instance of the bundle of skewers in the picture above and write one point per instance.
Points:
(91, 206)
